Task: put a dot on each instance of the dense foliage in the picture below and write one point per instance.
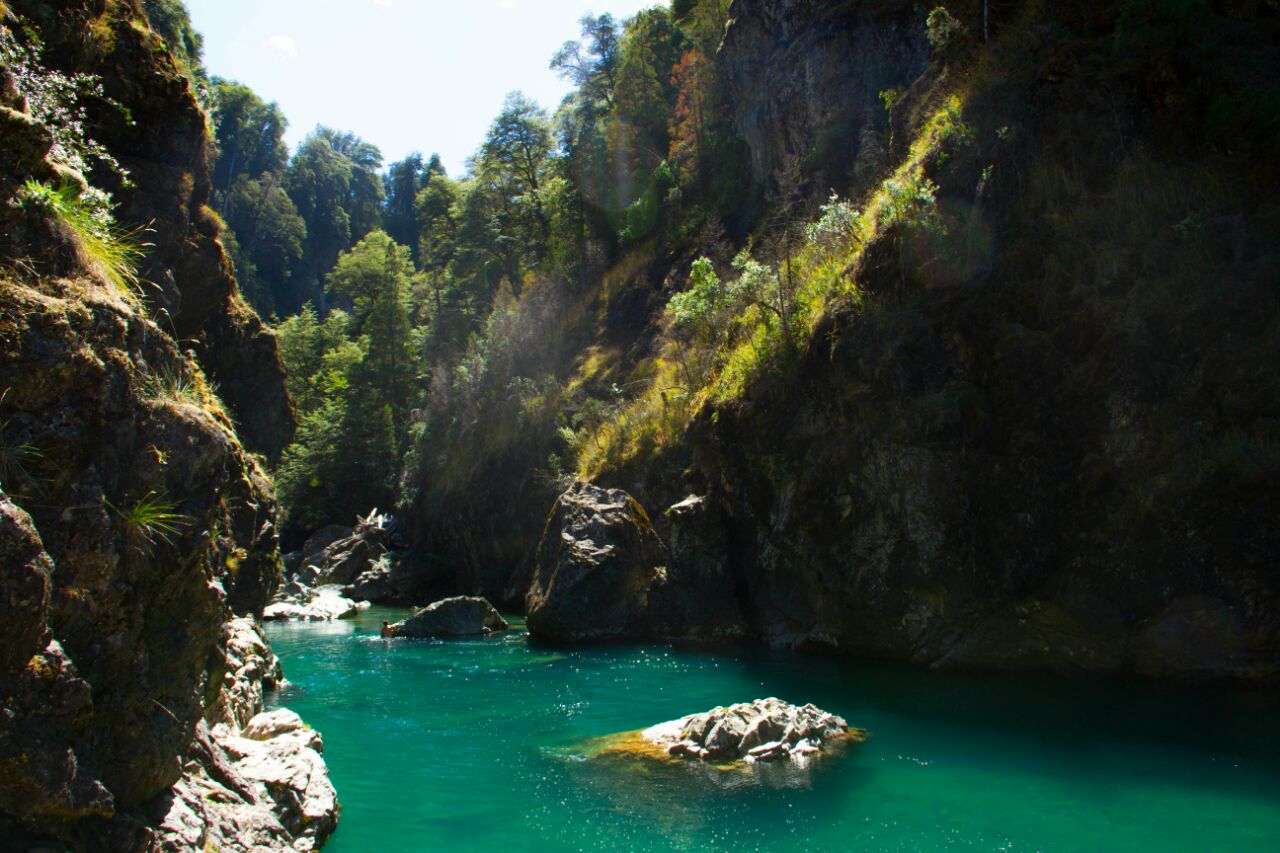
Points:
(447, 296)
(517, 318)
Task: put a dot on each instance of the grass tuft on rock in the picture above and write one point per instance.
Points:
(105, 249)
(150, 520)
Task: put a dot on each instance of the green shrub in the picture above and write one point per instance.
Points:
(56, 100)
(945, 32)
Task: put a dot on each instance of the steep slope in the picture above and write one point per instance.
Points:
(1044, 433)
(150, 120)
(135, 523)
(1009, 401)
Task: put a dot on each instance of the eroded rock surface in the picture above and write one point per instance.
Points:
(461, 616)
(763, 730)
(118, 669)
(597, 563)
(253, 781)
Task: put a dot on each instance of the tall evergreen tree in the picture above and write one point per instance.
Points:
(400, 217)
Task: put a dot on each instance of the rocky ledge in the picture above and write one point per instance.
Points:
(252, 781)
(763, 730)
(462, 616)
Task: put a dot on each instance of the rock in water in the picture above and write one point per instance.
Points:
(462, 616)
(597, 562)
(763, 730)
(323, 604)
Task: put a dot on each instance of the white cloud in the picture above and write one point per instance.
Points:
(385, 4)
(283, 46)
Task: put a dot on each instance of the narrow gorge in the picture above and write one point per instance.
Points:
(896, 380)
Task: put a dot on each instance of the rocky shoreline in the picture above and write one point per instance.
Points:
(253, 781)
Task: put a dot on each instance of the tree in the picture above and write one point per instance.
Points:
(438, 234)
(649, 49)
(374, 275)
(693, 78)
(250, 137)
(514, 160)
(353, 378)
(171, 20)
(333, 181)
(307, 344)
(592, 66)
(268, 237)
(400, 216)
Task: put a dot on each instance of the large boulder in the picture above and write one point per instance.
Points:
(462, 616)
(383, 582)
(321, 539)
(341, 560)
(763, 730)
(263, 788)
(597, 563)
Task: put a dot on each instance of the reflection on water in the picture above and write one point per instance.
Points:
(450, 745)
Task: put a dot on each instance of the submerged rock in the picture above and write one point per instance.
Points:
(763, 730)
(462, 616)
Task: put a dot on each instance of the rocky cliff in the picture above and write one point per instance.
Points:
(807, 79)
(151, 121)
(1045, 438)
(135, 522)
(1040, 431)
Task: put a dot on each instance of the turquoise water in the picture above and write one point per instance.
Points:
(478, 745)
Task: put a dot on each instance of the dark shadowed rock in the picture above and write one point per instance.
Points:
(383, 582)
(462, 616)
(114, 656)
(700, 596)
(597, 563)
(321, 539)
(806, 72)
(342, 560)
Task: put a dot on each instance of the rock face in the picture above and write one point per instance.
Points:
(602, 573)
(193, 287)
(134, 524)
(965, 481)
(357, 561)
(597, 564)
(252, 781)
(339, 555)
(461, 616)
(804, 71)
(763, 730)
(384, 582)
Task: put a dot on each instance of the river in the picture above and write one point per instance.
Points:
(479, 745)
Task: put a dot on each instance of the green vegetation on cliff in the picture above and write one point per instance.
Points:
(941, 287)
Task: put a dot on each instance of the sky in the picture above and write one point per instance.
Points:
(406, 75)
